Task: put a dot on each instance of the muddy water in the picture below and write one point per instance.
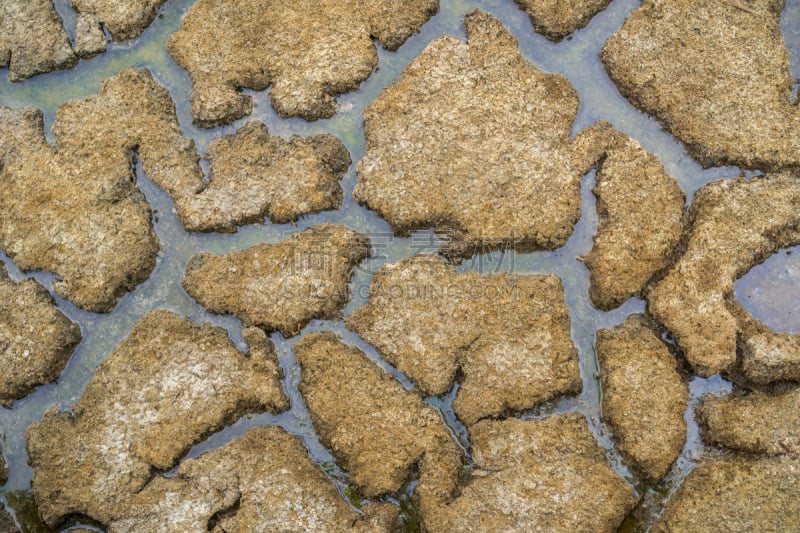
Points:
(766, 291)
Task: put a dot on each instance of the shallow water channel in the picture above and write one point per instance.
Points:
(770, 290)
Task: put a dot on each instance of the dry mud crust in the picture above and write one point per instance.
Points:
(308, 50)
(733, 225)
(536, 475)
(473, 140)
(766, 356)
(716, 74)
(32, 39)
(36, 339)
(755, 422)
(280, 286)
(555, 19)
(508, 334)
(377, 430)
(736, 494)
(641, 211)
(73, 208)
(167, 386)
(262, 481)
(644, 395)
(124, 19)
(255, 175)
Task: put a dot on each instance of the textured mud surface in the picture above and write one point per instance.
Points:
(256, 176)
(733, 106)
(555, 19)
(262, 481)
(32, 39)
(166, 387)
(309, 51)
(644, 395)
(280, 286)
(531, 475)
(734, 224)
(509, 335)
(36, 339)
(736, 494)
(473, 140)
(124, 19)
(641, 220)
(755, 422)
(379, 432)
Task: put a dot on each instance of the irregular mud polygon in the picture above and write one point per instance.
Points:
(378, 431)
(474, 141)
(508, 334)
(167, 386)
(733, 225)
(256, 176)
(32, 39)
(280, 286)
(36, 339)
(644, 395)
(262, 481)
(736, 494)
(716, 74)
(309, 51)
(124, 19)
(555, 19)
(531, 475)
(754, 422)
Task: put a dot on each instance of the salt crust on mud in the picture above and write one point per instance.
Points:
(508, 334)
(36, 339)
(309, 51)
(166, 387)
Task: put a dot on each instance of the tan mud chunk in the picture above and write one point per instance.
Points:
(644, 395)
(167, 386)
(308, 50)
(32, 39)
(255, 175)
(90, 39)
(262, 481)
(733, 225)
(473, 140)
(281, 286)
(508, 334)
(378, 431)
(532, 475)
(640, 208)
(716, 74)
(737, 495)
(755, 422)
(766, 356)
(73, 208)
(124, 19)
(36, 339)
(555, 19)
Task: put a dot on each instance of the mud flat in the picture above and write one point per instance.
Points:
(557, 19)
(280, 286)
(733, 225)
(262, 481)
(644, 395)
(167, 386)
(378, 431)
(531, 475)
(736, 494)
(473, 141)
(73, 208)
(640, 209)
(508, 334)
(32, 39)
(255, 176)
(731, 107)
(309, 51)
(755, 422)
(36, 339)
